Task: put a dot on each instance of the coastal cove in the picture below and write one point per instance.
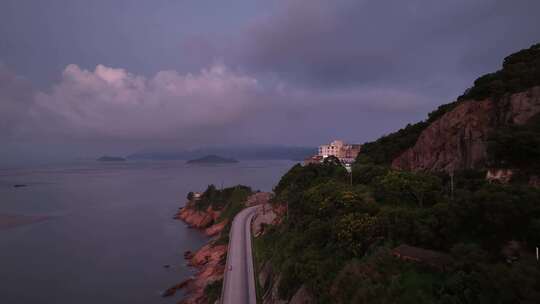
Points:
(109, 232)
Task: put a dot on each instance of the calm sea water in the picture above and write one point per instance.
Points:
(110, 231)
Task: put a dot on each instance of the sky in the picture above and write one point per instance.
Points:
(82, 78)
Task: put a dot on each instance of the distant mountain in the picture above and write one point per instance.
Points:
(106, 158)
(212, 159)
(242, 153)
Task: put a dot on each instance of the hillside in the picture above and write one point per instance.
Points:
(472, 132)
(465, 137)
(404, 231)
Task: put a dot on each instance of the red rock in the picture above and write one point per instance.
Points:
(457, 140)
(208, 260)
(200, 219)
(216, 228)
(258, 198)
(172, 290)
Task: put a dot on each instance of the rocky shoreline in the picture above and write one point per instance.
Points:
(208, 260)
(211, 258)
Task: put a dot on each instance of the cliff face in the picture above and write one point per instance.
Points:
(458, 140)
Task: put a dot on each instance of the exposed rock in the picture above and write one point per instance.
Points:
(457, 140)
(216, 228)
(258, 198)
(200, 219)
(207, 253)
(265, 216)
(302, 296)
(210, 261)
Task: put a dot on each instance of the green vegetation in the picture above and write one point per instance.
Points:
(520, 71)
(517, 146)
(337, 237)
(388, 147)
(228, 199)
(213, 291)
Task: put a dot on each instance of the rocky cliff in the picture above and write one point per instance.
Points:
(458, 139)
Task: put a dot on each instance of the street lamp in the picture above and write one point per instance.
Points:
(348, 167)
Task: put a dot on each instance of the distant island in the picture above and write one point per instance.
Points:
(245, 152)
(212, 159)
(111, 158)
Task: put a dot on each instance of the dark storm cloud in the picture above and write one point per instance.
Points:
(415, 43)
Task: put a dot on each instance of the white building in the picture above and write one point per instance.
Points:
(345, 152)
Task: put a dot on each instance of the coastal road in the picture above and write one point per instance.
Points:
(239, 280)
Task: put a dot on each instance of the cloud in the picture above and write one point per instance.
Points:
(306, 72)
(214, 106)
(113, 103)
(419, 43)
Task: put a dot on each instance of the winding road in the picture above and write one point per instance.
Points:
(239, 280)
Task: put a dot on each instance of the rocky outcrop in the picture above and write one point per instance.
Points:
(264, 217)
(216, 228)
(210, 259)
(258, 198)
(210, 262)
(457, 140)
(196, 218)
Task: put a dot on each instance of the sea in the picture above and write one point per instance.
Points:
(109, 235)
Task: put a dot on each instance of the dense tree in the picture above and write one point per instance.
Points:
(520, 71)
(338, 237)
(404, 185)
(516, 146)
